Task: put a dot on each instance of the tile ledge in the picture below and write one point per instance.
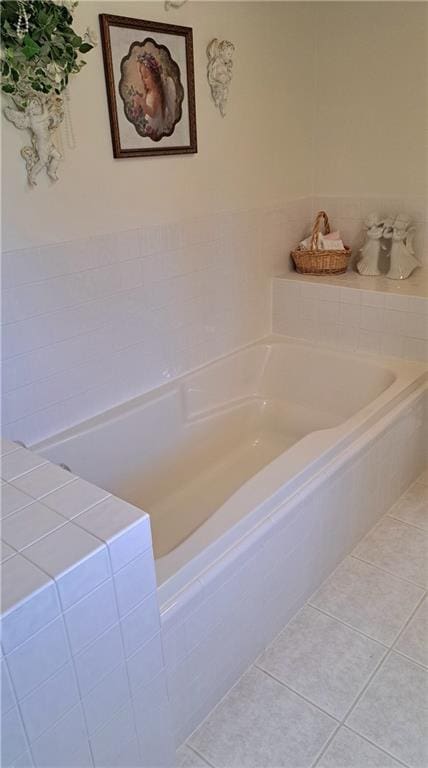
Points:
(415, 285)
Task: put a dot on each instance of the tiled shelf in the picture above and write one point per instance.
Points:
(415, 285)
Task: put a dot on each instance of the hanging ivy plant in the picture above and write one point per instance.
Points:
(39, 47)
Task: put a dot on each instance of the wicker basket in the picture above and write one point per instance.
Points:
(313, 262)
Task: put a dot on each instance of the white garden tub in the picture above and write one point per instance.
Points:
(211, 454)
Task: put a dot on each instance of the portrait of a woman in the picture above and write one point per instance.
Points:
(151, 90)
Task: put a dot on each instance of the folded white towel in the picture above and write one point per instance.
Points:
(323, 243)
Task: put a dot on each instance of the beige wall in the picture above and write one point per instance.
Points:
(364, 133)
(258, 154)
(371, 116)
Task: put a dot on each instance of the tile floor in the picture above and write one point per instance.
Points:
(345, 684)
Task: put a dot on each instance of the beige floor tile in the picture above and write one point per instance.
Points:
(397, 547)
(348, 750)
(414, 640)
(322, 659)
(368, 599)
(261, 723)
(392, 711)
(412, 507)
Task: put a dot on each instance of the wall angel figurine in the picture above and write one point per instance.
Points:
(219, 71)
(41, 118)
(402, 256)
(370, 252)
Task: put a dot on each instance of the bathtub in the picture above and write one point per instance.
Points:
(212, 454)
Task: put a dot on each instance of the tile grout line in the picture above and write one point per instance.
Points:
(409, 658)
(296, 693)
(381, 749)
(198, 754)
(368, 682)
(411, 525)
(387, 651)
(347, 625)
(390, 573)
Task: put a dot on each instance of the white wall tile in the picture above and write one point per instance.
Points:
(71, 307)
(13, 742)
(6, 446)
(108, 741)
(59, 745)
(91, 616)
(43, 480)
(31, 615)
(145, 664)
(141, 624)
(74, 498)
(12, 499)
(7, 695)
(134, 582)
(6, 552)
(340, 316)
(109, 695)
(26, 526)
(98, 659)
(19, 579)
(23, 761)
(124, 527)
(49, 702)
(74, 558)
(19, 462)
(38, 658)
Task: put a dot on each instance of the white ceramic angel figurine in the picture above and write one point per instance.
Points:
(369, 262)
(41, 119)
(219, 71)
(402, 257)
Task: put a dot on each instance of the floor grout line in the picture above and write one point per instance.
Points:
(411, 525)
(301, 695)
(199, 754)
(388, 650)
(410, 658)
(404, 627)
(346, 624)
(381, 749)
(390, 573)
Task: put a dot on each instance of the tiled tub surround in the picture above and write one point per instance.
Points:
(344, 685)
(92, 323)
(277, 535)
(213, 629)
(82, 671)
(373, 315)
(90, 671)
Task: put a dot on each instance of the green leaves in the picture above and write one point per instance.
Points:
(30, 48)
(48, 53)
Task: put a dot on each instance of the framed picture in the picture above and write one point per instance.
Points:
(150, 86)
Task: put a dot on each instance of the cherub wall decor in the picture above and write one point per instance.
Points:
(219, 71)
(41, 118)
(40, 51)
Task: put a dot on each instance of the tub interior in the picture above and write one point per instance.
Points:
(183, 451)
